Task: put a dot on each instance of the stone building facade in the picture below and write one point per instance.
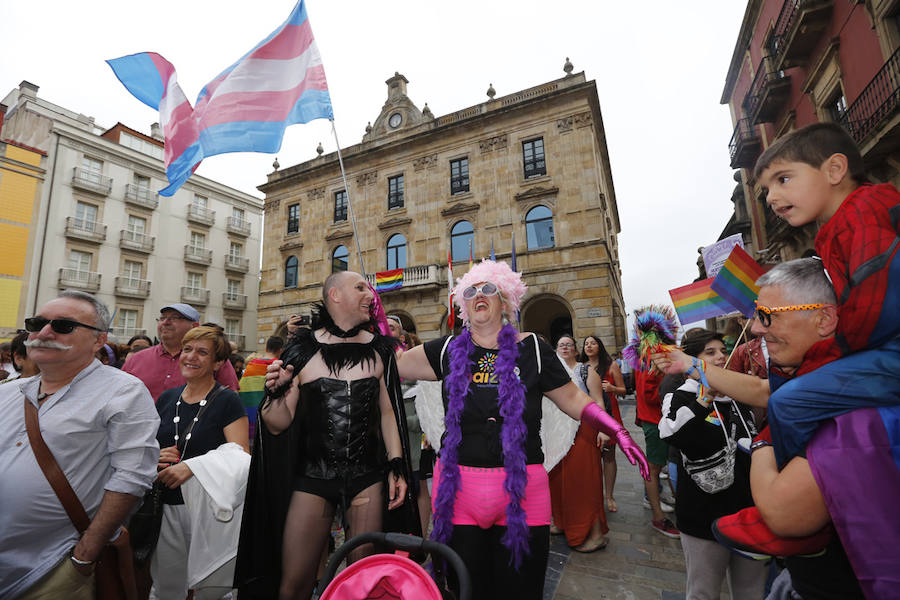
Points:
(528, 171)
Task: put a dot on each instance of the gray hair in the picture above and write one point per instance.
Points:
(101, 312)
(802, 281)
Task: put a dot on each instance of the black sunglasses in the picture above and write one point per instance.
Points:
(35, 324)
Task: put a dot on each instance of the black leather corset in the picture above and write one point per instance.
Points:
(342, 422)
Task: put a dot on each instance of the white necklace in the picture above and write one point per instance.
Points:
(177, 419)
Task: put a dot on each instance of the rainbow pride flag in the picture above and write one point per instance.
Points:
(697, 302)
(386, 281)
(736, 281)
(252, 389)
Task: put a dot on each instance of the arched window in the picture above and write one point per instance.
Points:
(539, 228)
(339, 259)
(290, 272)
(396, 252)
(462, 237)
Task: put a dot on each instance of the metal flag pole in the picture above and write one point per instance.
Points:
(362, 264)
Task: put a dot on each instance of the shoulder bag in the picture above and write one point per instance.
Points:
(114, 569)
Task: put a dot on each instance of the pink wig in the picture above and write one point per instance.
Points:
(510, 283)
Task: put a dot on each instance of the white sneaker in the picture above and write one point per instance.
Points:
(663, 475)
(668, 498)
(666, 508)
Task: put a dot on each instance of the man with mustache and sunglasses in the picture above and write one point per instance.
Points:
(100, 427)
(846, 476)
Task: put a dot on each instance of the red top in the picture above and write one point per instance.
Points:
(646, 391)
(160, 371)
(858, 246)
(748, 358)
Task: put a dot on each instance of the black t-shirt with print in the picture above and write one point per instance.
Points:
(208, 434)
(481, 422)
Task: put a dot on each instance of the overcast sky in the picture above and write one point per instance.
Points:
(660, 69)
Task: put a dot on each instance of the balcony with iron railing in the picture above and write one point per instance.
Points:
(197, 255)
(132, 287)
(76, 278)
(136, 240)
(192, 295)
(201, 215)
(141, 196)
(237, 226)
(237, 338)
(876, 104)
(235, 301)
(82, 229)
(91, 181)
(418, 277)
(123, 334)
(768, 92)
(239, 264)
(745, 145)
(798, 29)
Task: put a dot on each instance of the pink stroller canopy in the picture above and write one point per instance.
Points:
(382, 577)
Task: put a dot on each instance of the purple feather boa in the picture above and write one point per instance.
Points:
(511, 400)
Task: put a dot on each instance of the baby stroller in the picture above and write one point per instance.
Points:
(390, 576)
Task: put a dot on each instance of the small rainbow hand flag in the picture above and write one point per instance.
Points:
(388, 280)
(697, 302)
(736, 281)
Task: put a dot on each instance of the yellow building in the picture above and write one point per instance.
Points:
(21, 179)
(531, 166)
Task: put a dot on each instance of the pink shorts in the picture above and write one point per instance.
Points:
(481, 499)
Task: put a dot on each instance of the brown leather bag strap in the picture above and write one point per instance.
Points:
(52, 472)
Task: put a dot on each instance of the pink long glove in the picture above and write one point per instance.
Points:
(604, 422)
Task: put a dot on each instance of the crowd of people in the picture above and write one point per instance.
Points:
(233, 473)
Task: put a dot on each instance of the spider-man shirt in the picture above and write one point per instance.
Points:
(859, 247)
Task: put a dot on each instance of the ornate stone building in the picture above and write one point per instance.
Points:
(529, 169)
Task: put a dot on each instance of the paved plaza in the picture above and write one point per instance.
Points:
(638, 564)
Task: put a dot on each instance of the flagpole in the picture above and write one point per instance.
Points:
(362, 265)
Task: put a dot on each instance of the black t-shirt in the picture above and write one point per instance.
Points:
(702, 440)
(208, 434)
(481, 423)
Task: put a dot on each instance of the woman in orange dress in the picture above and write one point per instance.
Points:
(576, 483)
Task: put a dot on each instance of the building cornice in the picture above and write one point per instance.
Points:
(422, 134)
(748, 26)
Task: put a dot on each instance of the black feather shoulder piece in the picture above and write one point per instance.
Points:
(303, 345)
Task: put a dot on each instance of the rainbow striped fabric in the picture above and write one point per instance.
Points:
(386, 281)
(246, 108)
(697, 302)
(252, 388)
(736, 281)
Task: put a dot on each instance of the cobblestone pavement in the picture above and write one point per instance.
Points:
(638, 564)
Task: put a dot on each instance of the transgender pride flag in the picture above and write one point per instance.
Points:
(246, 108)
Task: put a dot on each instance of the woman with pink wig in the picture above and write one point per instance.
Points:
(491, 493)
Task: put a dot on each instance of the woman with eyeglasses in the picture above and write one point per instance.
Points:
(494, 378)
(203, 461)
(567, 351)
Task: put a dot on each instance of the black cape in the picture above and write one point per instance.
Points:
(273, 464)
